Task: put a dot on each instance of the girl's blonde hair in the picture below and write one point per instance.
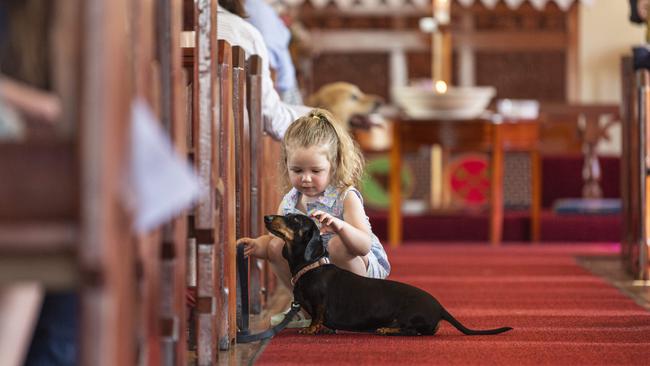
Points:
(319, 128)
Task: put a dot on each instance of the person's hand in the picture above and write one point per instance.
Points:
(250, 245)
(328, 222)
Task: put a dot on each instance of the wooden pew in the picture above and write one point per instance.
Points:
(148, 259)
(247, 93)
(238, 198)
(72, 232)
(256, 127)
(224, 159)
(156, 29)
(242, 143)
(203, 223)
(243, 163)
(271, 196)
(174, 246)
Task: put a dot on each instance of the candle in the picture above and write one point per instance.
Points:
(440, 87)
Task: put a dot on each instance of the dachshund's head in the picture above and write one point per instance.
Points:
(303, 242)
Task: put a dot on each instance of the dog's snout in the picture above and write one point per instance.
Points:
(268, 219)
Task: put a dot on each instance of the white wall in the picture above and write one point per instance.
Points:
(605, 34)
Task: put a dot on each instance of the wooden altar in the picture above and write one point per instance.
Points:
(484, 134)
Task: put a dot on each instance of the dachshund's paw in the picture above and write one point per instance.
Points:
(316, 329)
(389, 331)
(309, 330)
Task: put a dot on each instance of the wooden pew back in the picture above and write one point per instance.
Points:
(254, 108)
(225, 213)
(77, 234)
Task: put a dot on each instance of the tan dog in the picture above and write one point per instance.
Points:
(347, 103)
(354, 108)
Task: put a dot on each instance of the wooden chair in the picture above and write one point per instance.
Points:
(71, 233)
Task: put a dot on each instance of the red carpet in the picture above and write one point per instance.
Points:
(561, 313)
(516, 227)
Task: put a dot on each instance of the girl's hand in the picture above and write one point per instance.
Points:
(250, 246)
(328, 222)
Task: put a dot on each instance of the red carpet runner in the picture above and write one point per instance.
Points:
(561, 313)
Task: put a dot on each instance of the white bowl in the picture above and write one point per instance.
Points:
(455, 103)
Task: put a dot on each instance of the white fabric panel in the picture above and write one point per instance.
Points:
(490, 4)
(564, 4)
(346, 4)
(514, 4)
(466, 3)
(319, 3)
(421, 3)
(538, 4)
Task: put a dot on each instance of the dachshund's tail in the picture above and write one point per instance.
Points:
(448, 317)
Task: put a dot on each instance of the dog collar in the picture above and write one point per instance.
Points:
(321, 262)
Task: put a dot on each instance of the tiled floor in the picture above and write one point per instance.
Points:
(246, 354)
(611, 268)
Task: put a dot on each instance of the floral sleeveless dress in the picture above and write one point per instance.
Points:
(331, 201)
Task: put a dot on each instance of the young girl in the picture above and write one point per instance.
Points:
(320, 167)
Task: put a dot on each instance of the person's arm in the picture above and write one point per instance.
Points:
(30, 101)
(257, 247)
(277, 114)
(353, 230)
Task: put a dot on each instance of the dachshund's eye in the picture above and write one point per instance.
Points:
(354, 97)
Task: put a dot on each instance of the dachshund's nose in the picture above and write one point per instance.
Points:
(268, 219)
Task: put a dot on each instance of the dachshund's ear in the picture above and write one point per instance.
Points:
(314, 248)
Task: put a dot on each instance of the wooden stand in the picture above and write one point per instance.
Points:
(478, 134)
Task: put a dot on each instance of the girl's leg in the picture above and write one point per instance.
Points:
(279, 265)
(340, 256)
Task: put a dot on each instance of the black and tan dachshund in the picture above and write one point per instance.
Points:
(339, 299)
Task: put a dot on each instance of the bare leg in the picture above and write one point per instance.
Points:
(279, 265)
(340, 256)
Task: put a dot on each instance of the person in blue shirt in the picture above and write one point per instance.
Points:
(276, 37)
